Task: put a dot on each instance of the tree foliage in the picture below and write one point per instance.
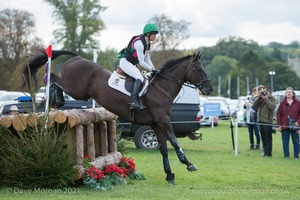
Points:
(171, 33)
(250, 61)
(16, 27)
(79, 22)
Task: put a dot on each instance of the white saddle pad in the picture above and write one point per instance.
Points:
(117, 81)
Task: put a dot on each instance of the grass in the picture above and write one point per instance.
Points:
(221, 174)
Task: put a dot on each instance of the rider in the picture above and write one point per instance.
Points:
(138, 51)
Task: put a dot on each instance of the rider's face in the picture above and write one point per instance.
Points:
(152, 37)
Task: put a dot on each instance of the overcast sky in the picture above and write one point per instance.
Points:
(263, 21)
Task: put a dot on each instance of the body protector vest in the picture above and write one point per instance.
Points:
(130, 52)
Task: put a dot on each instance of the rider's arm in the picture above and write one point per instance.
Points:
(143, 59)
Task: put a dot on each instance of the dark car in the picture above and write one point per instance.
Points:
(185, 120)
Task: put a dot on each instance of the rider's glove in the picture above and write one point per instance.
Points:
(155, 71)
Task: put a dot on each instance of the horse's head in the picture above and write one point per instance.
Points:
(187, 70)
(197, 76)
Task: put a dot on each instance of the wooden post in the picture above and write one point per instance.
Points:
(79, 145)
(112, 136)
(71, 141)
(97, 138)
(103, 139)
(91, 141)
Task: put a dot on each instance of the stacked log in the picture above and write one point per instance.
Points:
(73, 117)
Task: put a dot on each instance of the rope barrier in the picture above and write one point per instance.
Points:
(273, 125)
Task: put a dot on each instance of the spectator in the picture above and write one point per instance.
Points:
(251, 120)
(13, 110)
(289, 108)
(265, 104)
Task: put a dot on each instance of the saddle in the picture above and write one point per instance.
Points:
(122, 82)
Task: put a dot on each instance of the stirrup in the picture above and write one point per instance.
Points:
(132, 107)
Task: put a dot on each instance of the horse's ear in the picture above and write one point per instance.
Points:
(197, 56)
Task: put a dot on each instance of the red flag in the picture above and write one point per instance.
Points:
(49, 51)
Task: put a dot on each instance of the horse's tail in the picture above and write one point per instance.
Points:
(30, 69)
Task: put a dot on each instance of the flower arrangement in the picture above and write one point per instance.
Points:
(111, 174)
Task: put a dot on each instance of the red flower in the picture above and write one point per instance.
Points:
(88, 157)
(128, 164)
(113, 169)
(94, 173)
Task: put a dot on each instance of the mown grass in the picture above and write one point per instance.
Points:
(221, 174)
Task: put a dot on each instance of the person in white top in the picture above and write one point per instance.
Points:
(138, 52)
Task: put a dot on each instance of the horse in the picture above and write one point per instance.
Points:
(83, 79)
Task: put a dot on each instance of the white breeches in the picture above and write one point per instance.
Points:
(131, 69)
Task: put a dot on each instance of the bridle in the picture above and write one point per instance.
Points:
(202, 83)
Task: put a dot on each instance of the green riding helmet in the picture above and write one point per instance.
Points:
(150, 29)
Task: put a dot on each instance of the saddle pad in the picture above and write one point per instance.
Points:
(117, 82)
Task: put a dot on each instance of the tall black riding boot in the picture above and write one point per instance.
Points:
(135, 102)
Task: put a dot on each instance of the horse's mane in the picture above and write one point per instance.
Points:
(172, 62)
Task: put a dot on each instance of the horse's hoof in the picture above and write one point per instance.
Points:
(171, 182)
(171, 178)
(192, 168)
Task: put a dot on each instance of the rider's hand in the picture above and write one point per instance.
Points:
(155, 71)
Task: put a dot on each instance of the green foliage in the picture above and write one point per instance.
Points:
(136, 175)
(33, 159)
(252, 61)
(103, 184)
(285, 76)
(122, 144)
(79, 22)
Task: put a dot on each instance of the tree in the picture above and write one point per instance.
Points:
(79, 22)
(253, 66)
(16, 26)
(285, 76)
(171, 33)
(224, 67)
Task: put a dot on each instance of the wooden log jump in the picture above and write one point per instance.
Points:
(90, 132)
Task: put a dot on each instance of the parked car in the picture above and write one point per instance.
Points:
(232, 105)
(206, 120)
(24, 105)
(2, 92)
(185, 120)
(11, 96)
(225, 111)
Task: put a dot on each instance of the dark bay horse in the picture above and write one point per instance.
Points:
(83, 79)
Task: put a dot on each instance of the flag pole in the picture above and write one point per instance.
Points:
(95, 61)
(48, 51)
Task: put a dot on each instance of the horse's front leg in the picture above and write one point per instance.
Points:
(162, 139)
(181, 156)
